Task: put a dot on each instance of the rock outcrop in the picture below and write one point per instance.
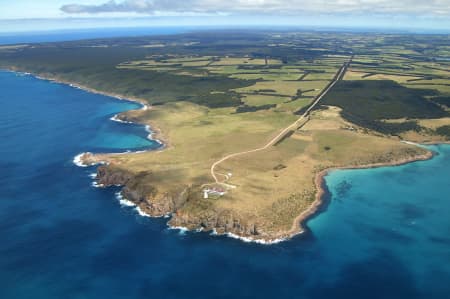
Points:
(149, 199)
(156, 204)
(111, 177)
(220, 221)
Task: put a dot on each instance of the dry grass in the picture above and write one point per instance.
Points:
(275, 185)
(288, 88)
(197, 137)
(358, 75)
(269, 76)
(245, 60)
(258, 100)
(276, 195)
(434, 123)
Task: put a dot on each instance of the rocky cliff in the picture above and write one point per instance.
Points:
(155, 203)
(138, 189)
(220, 221)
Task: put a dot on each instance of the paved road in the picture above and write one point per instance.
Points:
(339, 75)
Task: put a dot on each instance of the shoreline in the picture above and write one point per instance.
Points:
(155, 133)
(299, 223)
(79, 86)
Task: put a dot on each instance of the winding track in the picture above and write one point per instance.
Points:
(339, 75)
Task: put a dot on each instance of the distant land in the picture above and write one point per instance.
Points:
(251, 121)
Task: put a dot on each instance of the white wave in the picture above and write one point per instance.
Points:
(126, 203)
(117, 119)
(93, 175)
(249, 240)
(78, 162)
(150, 135)
(70, 84)
(181, 229)
(214, 232)
(139, 152)
(142, 213)
(149, 131)
(97, 185)
(22, 74)
(123, 201)
(258, 241)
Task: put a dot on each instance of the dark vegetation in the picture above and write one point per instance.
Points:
(93, 63)
(246, 108)
(298, 95)
(442, 100)
(444, 131)
(266, 90)
(367, 103)
(96, 68)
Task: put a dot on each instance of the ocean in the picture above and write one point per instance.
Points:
(78, 34)
(384, 233)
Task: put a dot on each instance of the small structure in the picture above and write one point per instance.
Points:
(215, 191)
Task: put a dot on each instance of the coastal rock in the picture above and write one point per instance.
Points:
(222, 222)
(107, 176)
(138, 188)
(156, 204)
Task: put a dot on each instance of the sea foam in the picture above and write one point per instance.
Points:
(123, 201)
(142, 213)
(117, 119)
(78, 162)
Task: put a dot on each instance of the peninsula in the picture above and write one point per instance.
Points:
(251, 121)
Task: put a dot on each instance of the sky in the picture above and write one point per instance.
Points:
(26, 15)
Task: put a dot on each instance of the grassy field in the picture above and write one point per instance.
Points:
(277, 184)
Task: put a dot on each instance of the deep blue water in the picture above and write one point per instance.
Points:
(385, 232)
(78, 34)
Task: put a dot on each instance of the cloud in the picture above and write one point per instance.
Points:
(271, 7)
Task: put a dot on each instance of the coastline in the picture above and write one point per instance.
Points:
(155, 133)
(299, 223)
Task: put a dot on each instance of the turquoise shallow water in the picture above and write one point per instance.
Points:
(385, 233)
(392, 213)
